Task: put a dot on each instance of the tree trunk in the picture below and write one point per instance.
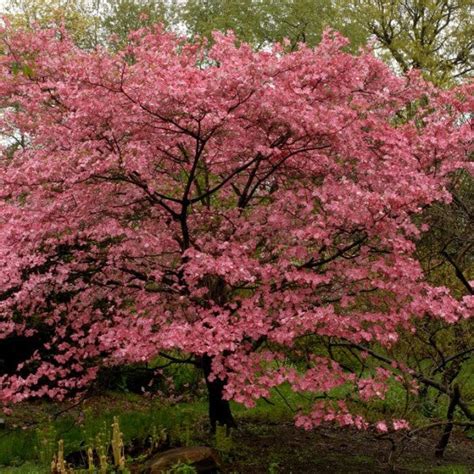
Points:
(219, 409)
(443, 442)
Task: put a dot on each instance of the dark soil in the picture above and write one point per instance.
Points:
(260, 447)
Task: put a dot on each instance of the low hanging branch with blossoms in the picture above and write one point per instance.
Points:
(219, 203)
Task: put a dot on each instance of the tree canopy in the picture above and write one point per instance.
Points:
(224, 203)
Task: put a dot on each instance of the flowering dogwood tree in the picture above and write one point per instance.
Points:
(220, 203)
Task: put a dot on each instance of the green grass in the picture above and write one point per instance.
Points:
(18, 446)
(26, 468)
(449, 469)
(453, 470)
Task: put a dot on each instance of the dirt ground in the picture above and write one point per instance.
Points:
(283, 448)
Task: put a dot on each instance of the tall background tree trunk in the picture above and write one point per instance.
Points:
(443, 442)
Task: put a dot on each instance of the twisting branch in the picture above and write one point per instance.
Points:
(189, 360)
(311, 263)
(455, 356)
(458, 272)
(417, 375)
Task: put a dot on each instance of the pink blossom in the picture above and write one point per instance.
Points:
(381, 426)
(400, 425)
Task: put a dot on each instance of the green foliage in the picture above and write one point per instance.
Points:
(182, 468)
(77, 17)
(273, 468)
(16, 446)
(449, 469)
(25, 468)
(431, 35)
(123, 16)
(223, 441)
(46, 442)
(261, 22)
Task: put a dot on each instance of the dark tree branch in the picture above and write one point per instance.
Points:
(458, 272)
(417, 375)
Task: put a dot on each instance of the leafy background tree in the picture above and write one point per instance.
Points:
(262, 23)
(435, 36)
(77, 16)
(122, 16)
